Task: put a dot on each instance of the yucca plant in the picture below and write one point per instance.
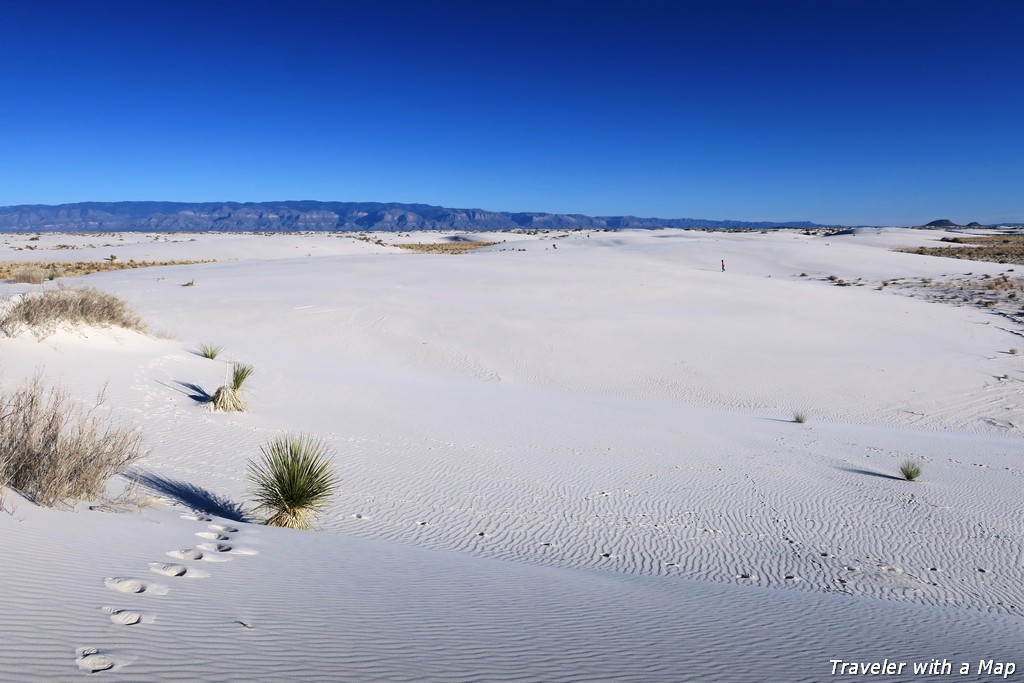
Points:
(240, 372)
(910, 470)
(228, 398)
(293, 481)
(210, 351)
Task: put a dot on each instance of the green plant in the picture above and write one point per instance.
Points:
(228, 398)
(51, 451)
(210, 351)
(294, 481)
(799, 417)
(240, 372)
(910, 470)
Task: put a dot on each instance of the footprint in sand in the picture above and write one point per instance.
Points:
(198, 518)
(125, 585)
(177, 570)
(215, 547)
(211, 535)
(126, 617)
(225, 548)
(222, 528)
(92, 660)
(185, 554)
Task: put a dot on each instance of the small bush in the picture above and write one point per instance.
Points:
(910, 470)
(41, 312)
(799, 417)
(52, 452)
(293, 481)
(210, 351)
(31, 276)
(1014, 352)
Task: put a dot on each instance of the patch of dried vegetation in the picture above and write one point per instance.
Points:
(445, 247)
(41, 312)
(996, 248)
(1001, 294)
(11, 270)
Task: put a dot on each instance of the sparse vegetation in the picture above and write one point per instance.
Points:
(29, 275)
(41, 312)
(53, 452)
(8, 269)
(910, 470)
(800, 417)
(445, 247)
(997, 248)
(210, 351)
(293, 481)
(1014, 351)
(228, 398)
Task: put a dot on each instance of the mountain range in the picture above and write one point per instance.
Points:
(287, 216)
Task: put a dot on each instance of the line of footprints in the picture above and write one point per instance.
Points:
(214, 549)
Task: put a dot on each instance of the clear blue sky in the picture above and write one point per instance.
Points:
(856, 112)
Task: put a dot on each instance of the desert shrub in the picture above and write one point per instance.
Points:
(910, 470)
(51, 451)
(1014, 352)
(799, 417)
(228, 398)
(210, 351)
(41, 312)
(293, 481)
(29, 275)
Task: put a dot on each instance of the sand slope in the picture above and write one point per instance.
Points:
(571, 463)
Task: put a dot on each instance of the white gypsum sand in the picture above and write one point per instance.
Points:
(557, 464)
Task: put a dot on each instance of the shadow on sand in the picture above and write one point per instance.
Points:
(869, 473)
(190, 495)
(193, 391)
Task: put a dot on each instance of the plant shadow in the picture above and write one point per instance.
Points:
(188, 494)
(869, 473)
(193, 391)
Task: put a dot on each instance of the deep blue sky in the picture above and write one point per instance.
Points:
(856, 112)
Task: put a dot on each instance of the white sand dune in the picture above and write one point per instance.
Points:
(571, 463)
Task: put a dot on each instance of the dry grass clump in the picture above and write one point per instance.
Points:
(800, 417)
(997, 248)
(293, 481)
(41, 312)
(52, 451)
(76, 268)
(445, 247)
(228, 398)
(30, 275)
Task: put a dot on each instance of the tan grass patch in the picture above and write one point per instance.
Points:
(43, 311)
(445, 247)
(10, 269)
(996, 248)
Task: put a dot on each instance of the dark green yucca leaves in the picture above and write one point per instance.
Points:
(240, 372)
(293, 481)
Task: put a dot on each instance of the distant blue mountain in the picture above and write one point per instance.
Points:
(289, 216)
